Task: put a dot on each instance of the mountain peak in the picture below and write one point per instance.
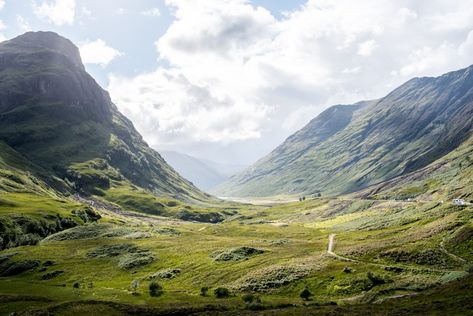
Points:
(38, 42)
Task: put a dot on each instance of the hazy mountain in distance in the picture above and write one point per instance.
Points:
(193, 169)
(226, 170)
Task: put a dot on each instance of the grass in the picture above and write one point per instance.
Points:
(278, 274)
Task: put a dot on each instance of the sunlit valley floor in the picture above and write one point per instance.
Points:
(387, 254)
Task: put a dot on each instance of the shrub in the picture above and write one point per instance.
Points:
(51, 275)
(76, 285)
(469, 269)
(204, 290)
(165, 274)
(375, 279)
(221, 292)
(305, 294)
(250, 299)
(347, 270)
(171, 203)
(155, 289)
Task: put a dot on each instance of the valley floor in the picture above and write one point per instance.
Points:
(354, 256)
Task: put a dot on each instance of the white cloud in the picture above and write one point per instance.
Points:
(98, 52)
(251, 73)
(366, 48)
(120, 11)
(2, 25)
(58, 12)
(22, 24)
(86, 12)
(155, 12)
(183, 110)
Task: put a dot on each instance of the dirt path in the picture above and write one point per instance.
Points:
(330, 252)
(454, 256)
(331, 243)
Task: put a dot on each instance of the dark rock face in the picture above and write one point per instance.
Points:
(344, 151)
(52, 72)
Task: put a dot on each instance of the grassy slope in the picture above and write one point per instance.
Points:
(414, 125)
(294, 237)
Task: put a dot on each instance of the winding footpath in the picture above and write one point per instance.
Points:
(330, 252)
(448, 253)
(331, 242)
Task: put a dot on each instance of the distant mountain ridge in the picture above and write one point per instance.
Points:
(366, 143)
(205, 174)
(54, 114)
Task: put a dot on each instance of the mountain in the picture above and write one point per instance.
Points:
(348, 148)
(226, 170)
(448, 178)
(193, 169)
(66, 129)
(205, 174)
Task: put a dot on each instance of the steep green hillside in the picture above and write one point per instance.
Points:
(450, 177)
(414, 125)
(54, 114)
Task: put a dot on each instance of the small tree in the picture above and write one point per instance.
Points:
(305, 294)
(204, 290)
(155, 289)
(221, 292)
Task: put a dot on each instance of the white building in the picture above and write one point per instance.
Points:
(459, 202)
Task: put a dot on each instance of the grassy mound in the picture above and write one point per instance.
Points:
(135, 260)
(16, 268)
(165, 274)
(423, 257)
(461, 243)
(93, 231)
(112, 250)
(167, 231)
(130, 256)
(235, 254)
(211, 217)
(269, 278)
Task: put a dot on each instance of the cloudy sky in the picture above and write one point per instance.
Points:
(228, 80)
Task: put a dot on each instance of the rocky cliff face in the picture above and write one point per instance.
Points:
(38, 68)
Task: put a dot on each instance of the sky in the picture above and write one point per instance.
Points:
(229, 80)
